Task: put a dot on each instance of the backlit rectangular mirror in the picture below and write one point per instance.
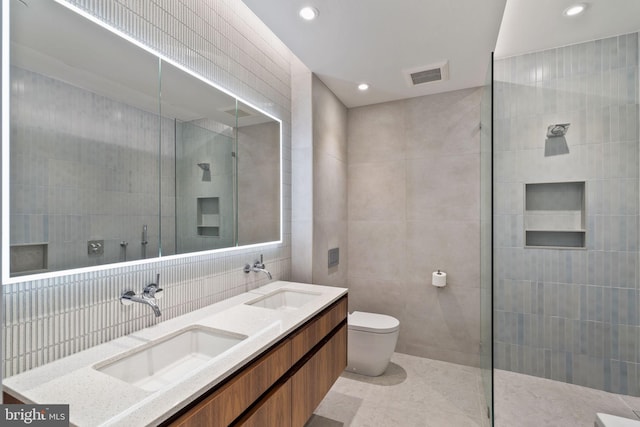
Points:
(118, 154)
(258, 177)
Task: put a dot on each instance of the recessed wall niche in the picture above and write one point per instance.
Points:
(208, 212)
(554, 215)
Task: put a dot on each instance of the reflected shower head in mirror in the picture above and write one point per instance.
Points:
(206, 171)
(557, 130)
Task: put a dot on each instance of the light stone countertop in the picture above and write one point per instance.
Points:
(96, 398)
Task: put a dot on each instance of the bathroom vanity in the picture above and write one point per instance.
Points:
(266, 357)
(283, 386)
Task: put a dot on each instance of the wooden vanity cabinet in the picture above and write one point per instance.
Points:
(310, 334)
(284, 385)
(313, 380)
(272, 410)
(229, 401)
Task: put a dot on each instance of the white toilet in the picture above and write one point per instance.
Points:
(371, 341)
(606, 420)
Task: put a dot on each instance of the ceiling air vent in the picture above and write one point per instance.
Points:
(427, 74)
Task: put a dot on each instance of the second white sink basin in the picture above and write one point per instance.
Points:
(284, 299)
(170, 359)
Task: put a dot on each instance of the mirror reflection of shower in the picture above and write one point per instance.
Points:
(144, 241)
(206, 171)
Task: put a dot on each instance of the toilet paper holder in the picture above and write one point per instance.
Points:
(439, 279)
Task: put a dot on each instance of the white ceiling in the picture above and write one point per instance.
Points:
(373, 41)
(533, 25)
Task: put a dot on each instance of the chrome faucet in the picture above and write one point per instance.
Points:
(258, 266)
(149, 295)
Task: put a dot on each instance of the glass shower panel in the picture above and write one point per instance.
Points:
(486, 259)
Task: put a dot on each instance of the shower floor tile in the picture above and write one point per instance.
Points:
(524, 400)
(421, 392)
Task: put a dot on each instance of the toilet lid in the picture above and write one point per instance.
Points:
(372, 322)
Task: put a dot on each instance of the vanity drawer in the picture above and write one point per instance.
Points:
(313, 380)
(318, 329)
(226, 403)
(273, 410)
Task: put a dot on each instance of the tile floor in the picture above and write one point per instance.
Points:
(412, 392)
(422, 392)
(527, 401)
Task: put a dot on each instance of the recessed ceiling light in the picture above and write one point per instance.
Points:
(363, 86)
(574, 10)
(309, 13)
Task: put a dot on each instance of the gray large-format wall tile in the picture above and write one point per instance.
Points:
(50, 318)
(301, 172)
(373, 190)
(430, 193)
(413, 179)
(379, 140)
(329, 180)
(570, 314)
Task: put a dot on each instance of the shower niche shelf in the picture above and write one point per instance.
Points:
(208, 216)
(28, 258)
(554, 215)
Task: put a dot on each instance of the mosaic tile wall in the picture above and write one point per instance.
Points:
(222, 40)
(570, 314)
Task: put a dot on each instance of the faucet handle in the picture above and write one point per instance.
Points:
(153, 291)
(125, 297)
(259, 263)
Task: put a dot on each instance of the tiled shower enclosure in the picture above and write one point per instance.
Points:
(567, 308)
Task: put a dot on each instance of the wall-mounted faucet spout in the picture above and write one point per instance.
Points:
(149, 295)
(258, 266)
(130, 297)
(256, 269)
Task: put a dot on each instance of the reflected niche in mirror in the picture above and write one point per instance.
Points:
(204, 186)
(105, 170)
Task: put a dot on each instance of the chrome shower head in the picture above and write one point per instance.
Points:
(204, 166)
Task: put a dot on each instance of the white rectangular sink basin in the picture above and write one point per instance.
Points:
(284, 299)
(170, 359)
